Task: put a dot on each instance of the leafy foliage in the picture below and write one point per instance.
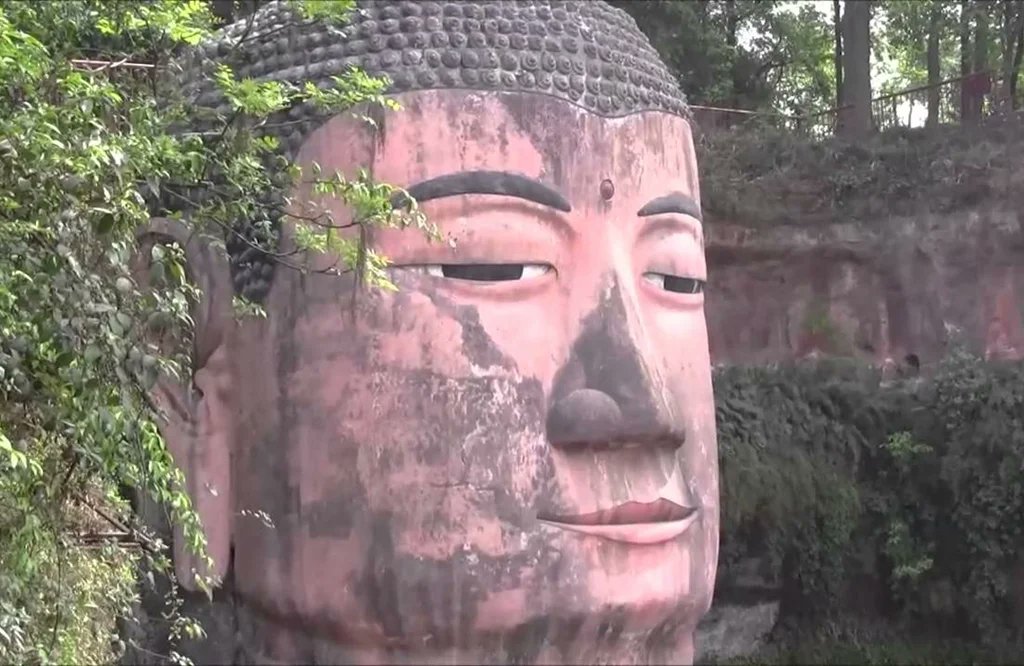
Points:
(788, 451)
(903, 39)
(749, 55)
(694, 41)
(780, 57)
(762, 175)
(86, 326)
(802, 45)
(898, 500)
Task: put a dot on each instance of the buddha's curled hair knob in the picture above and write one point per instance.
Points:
(523, 46)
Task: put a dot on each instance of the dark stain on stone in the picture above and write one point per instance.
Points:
(544, 121)
(400, 302)
(277, 488)
(525, 642)
(508, 509)
(503, 139)
(571, 630)
(468, 406)
(555, 572)
(432, 446)
(477, 344)
(323, 519)
(444, 597)
(613, 377)
(555, 169)
(453, 113)
(618, 623)
(441, 631)
(381, 586)
(378, 115)
(477, 132)
(666, 634)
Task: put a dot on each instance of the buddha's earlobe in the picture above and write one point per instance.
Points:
(196, 418)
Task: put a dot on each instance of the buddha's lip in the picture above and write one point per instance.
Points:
(631, 522)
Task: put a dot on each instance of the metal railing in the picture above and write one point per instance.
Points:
(982, 94)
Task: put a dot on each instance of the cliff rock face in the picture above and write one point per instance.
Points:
(877, 293)
(871, 249)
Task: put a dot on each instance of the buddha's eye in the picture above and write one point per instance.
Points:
(675, 283)
(485, 272)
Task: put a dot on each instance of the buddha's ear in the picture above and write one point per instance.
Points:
(196, 411)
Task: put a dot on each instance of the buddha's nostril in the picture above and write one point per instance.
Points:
(585, 416)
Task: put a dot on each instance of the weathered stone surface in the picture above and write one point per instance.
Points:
(878, 294)
(734, 630)
(509, 459)
(743, 614)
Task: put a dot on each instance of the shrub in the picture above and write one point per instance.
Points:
(833, 477)
(83, 155)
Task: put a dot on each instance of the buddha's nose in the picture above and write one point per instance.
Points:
(606, 395)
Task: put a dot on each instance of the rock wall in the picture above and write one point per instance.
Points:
(871, 249)
(874, 292)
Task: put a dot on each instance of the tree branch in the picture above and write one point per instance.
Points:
(139, 538)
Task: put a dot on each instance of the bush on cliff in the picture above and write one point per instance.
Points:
(763, 175)
(85, 148)
(896, 499)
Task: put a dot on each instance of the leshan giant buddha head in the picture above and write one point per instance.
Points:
(511, 458)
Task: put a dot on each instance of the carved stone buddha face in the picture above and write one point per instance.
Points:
(512, 456)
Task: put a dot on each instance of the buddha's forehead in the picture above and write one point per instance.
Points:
(436, 133)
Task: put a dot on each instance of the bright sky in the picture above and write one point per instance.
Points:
(823, 6)
(879, 68)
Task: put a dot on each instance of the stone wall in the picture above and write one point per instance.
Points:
(870, 250)
(871, 292)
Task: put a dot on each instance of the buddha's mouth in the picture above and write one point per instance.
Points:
(632, 522)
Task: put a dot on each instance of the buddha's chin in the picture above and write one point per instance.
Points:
(637, 648)
(563, 597)
(539, 640)
(589, 629)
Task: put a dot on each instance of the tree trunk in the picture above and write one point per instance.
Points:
(934, 64)
(731, 27)
(1014, 51)
(981, 35)
(1006, 34)
(838, 31)
(1000, 98)
(855, 121)
(981, 61)
(966, 12)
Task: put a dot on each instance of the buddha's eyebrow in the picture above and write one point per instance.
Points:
(673, 202)
(502, 183)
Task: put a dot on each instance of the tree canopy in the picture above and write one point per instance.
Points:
(784, 57)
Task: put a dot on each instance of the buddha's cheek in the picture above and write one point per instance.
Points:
(456, 462)
(449, 437)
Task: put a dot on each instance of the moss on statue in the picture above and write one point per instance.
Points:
(895, 500)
